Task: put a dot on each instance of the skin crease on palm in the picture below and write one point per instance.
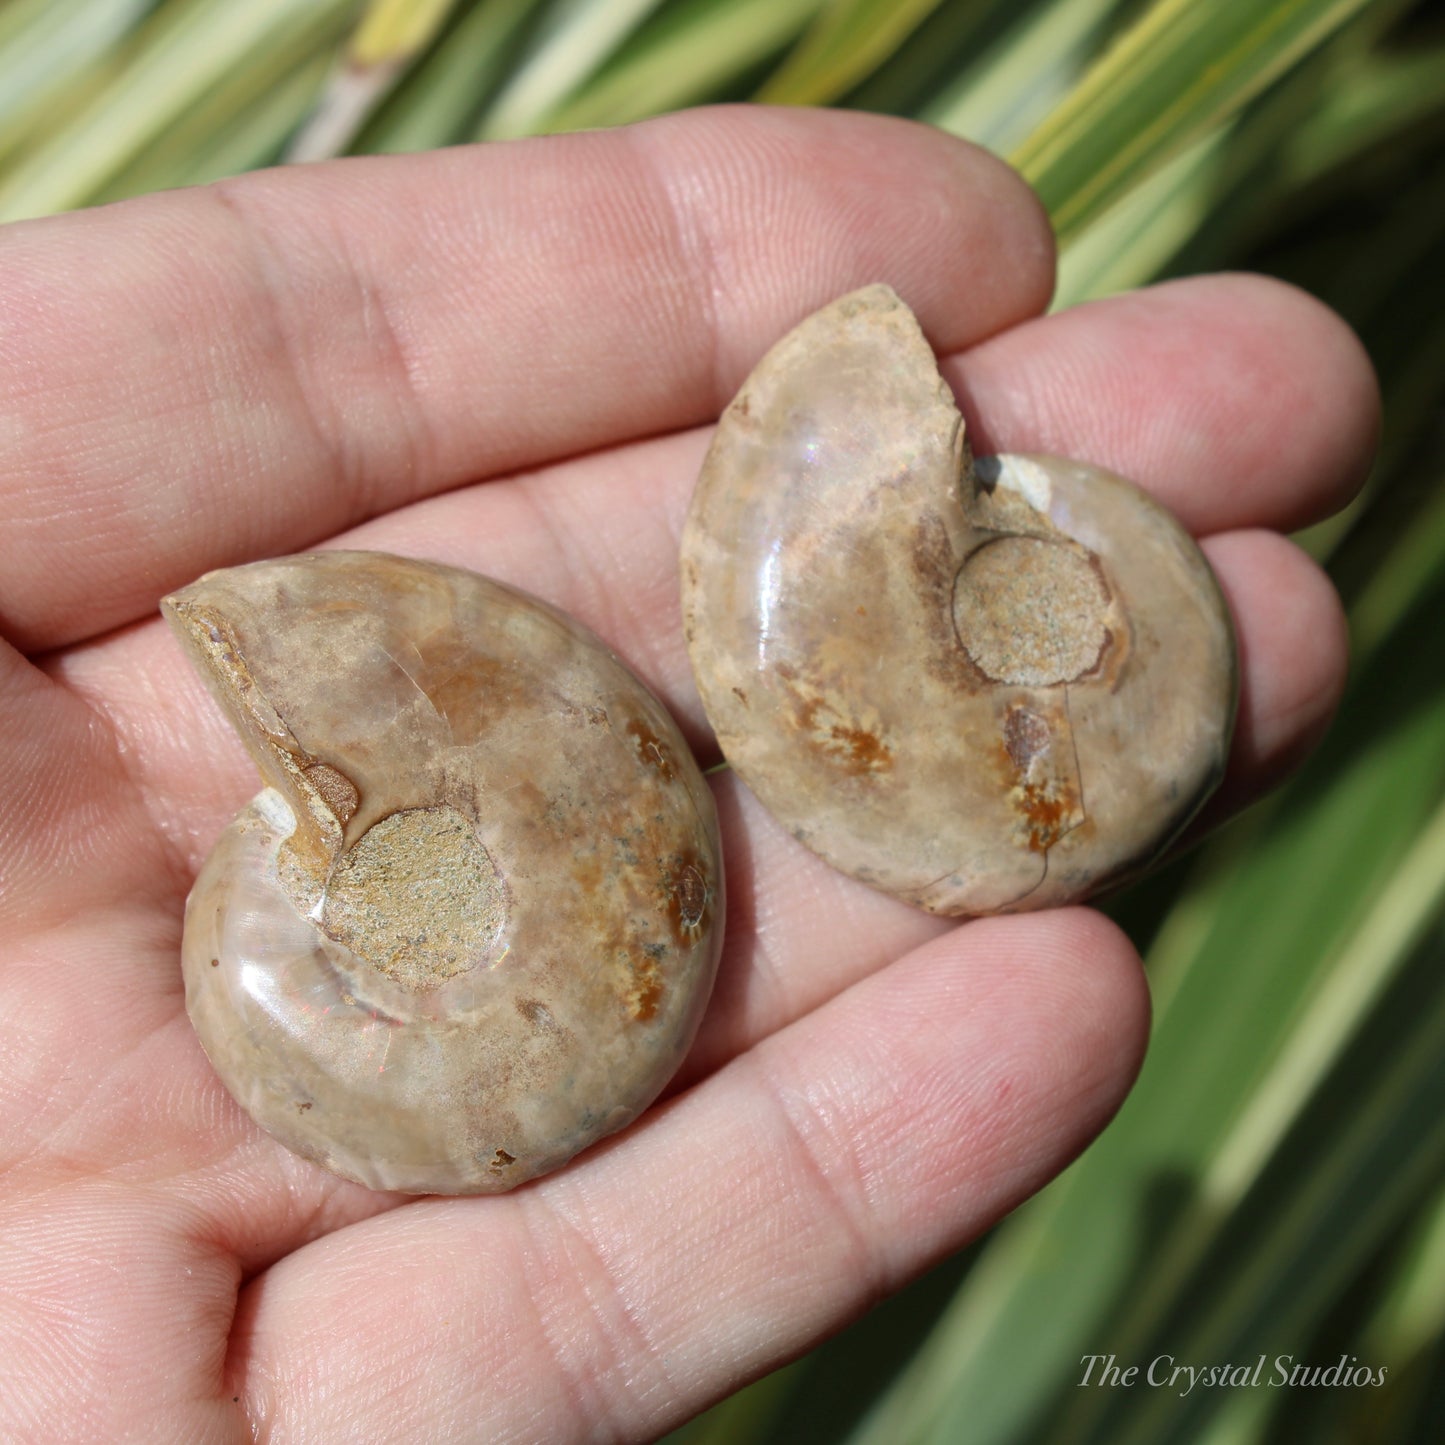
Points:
(506, 358)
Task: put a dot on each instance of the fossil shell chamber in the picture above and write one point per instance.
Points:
(471, 923)
(981, 688)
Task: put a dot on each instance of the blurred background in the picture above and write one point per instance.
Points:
(1275, 1186)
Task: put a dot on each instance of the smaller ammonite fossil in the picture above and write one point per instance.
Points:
(979, 686)
(471, 923)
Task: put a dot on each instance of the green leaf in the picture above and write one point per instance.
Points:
(846, 42)
(46, 46)
(692, 54)
(1134, 241)
(1406, 1329)
(439, 101)
(1180, 70)
(1357, 1161)
(392, 31)
(577, 38)
(1383, 97)
(186, 50)
(388, 38)
(928, 63)
(1009, 88)
(243, 124)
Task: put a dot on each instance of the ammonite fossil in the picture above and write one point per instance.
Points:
(978, 686)
(472, 921)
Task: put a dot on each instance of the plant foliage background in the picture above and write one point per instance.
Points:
(1276, 1184)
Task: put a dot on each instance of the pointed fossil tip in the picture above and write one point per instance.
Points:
(877, 296)
(174, 605)
(880, 311)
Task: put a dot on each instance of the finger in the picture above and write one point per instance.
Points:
(112, 1321)
(1239, 401)
(72, 823)
(1294, 655)
(798, 933)
(267, 361)
(836, 1161)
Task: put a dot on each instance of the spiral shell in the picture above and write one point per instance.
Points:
(980, 688)
(471, 923)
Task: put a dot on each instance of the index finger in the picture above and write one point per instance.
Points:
(195, 379)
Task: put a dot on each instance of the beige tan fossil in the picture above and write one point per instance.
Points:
(980, 687)
(470, 924)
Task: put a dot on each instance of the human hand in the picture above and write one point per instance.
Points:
(503, 359)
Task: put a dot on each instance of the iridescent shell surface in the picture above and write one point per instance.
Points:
(470, 925)
(982, 688)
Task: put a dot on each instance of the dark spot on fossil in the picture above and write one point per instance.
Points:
(691, 896)
(337, 791)
(539, 1016)
(1025, 736)
(1043, 787)
(647, 990)
(687, 898)
(652, 750)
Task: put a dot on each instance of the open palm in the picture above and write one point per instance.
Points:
(504, 359)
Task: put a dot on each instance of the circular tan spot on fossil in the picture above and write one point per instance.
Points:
(1031, 612)
(417, 897)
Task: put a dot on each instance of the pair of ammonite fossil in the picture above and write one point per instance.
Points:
(471, 923)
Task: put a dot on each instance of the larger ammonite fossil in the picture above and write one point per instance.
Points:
(472, 921)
